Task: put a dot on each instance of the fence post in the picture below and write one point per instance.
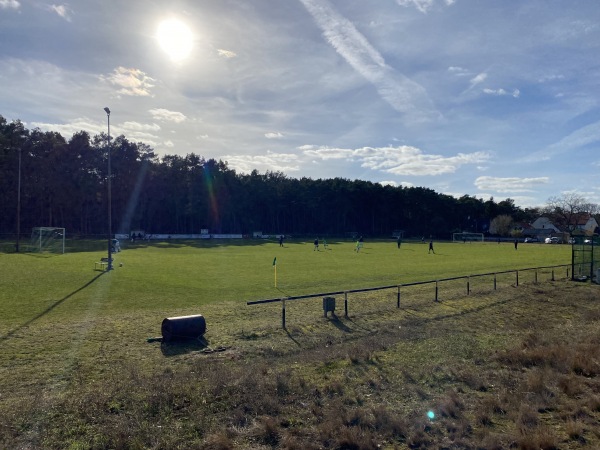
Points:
(468, 285)
(567, 273)
(398, 303)
(535, 277)
(552, 274)
(517, 273)
(436, 291)
(283, 313)
(345, 304)
(494, 281)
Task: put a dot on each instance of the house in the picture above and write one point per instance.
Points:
(585, 223)
(544, 223)
(519, 228)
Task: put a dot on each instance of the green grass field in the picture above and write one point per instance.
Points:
(76, 364)
(180, 275)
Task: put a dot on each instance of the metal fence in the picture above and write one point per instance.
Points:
(429, 291)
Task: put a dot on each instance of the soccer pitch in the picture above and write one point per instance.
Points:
(178, 275)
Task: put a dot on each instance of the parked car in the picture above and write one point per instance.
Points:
(552, 240)
(587, 241)
(531, 239)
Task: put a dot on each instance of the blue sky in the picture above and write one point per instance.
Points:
(484, 98)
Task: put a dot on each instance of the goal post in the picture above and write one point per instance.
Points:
(467, 237)
(48, 240)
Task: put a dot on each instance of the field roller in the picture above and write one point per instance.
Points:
(183, 327)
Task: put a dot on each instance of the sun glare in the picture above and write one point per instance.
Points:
(175, 38)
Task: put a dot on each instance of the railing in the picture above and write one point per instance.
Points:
(468, 288)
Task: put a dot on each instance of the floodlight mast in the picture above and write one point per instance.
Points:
(109, 266)
(17, 246)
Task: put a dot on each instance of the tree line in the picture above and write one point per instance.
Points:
(47, 180)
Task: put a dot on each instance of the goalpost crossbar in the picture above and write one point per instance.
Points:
(467, 237)
(48, 239)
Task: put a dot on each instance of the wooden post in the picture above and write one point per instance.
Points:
(398, 303)
(468, 285)
(517, 273)
(494, 281)
(436, 291)
(552, 274)
(535, 277)
(345, 304)
(283, 313)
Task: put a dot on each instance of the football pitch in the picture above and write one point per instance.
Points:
(177, 275)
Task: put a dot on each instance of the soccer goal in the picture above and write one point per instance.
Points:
(48, 240)
(467, 237)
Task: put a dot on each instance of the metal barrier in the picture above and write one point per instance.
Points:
(437, 282)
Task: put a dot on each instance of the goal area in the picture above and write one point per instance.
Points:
(467, 237)
(47, 240)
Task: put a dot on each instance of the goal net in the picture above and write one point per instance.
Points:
(48, 240)
(467, 237)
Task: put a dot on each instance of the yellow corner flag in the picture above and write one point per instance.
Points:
(275, 267)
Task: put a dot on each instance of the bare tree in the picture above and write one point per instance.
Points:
(566, 209)
(501, 225)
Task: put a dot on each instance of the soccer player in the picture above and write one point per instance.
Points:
(316, 245)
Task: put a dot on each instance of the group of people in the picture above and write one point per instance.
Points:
(317, 244)
(360, 242)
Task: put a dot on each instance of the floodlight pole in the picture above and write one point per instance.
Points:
(19, 205)
(109, 266)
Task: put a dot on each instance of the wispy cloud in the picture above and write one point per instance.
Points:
(273, 135)
(226, 53)
(583, 136)
(283, 162)
(403, 160)
(9, 4)
(423, 5)
(136, 126)
(400, 92)
(512, 184)
(167, 116)
(459, 71)
(478, 79)
(132, 82)
(501, 92)
(74, 126)
(63, 11)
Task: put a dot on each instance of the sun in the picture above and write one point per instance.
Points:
(175, 38)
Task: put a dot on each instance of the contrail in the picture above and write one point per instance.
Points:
(400, 92)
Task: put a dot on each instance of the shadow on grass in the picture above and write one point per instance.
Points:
(292, 337)
(184, 346)
(48, 309)
(357, 325)
(335, 320)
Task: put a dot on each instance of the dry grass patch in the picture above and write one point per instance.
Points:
(515, 369)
